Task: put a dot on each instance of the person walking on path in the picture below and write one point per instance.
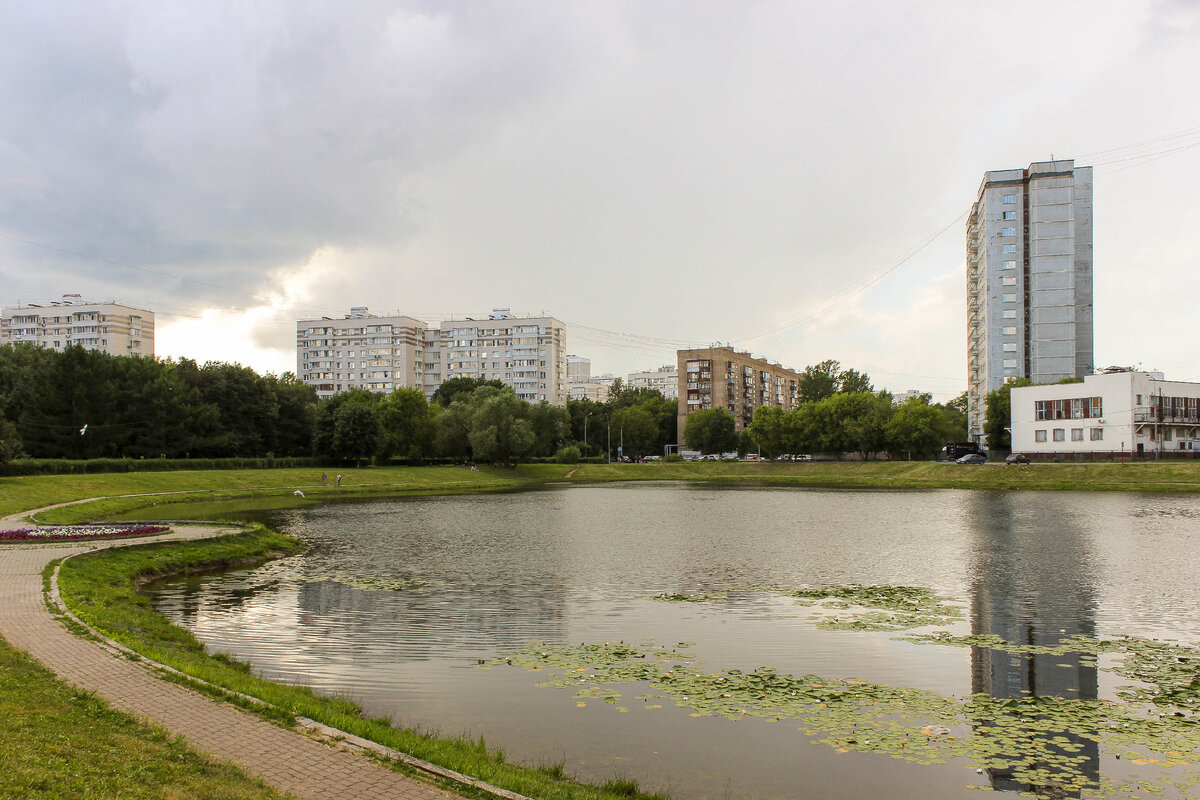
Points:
(339, 479)
(324, 479)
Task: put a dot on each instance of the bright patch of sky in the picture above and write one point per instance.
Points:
(789, 178)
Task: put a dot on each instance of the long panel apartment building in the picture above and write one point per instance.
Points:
(109, 327)
(383, 353)
(1029, 280)
(721, 377)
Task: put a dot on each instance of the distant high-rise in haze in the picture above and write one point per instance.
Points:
(1029, 280)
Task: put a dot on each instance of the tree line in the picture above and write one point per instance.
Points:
(80, 404)
(839, 412)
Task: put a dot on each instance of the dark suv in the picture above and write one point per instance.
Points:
(1016, 458)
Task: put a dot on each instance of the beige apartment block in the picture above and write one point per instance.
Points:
(108, 327)
(664, 379)
(527, 353)
(721, 377)
(360, 351)
(383, 353)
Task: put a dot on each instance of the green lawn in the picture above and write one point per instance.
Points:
(57, 742)
(172, 488)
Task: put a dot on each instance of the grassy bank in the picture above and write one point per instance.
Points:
(1101, 476)
(169, 489)
(58, 742)
(101, 588)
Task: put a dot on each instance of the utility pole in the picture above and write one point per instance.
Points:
(610, 440)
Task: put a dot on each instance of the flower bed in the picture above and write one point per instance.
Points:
(58, 533)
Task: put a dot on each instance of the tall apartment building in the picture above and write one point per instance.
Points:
(721, 377)
(580, 385)
(360, 351)
(1029, 280)
(109, 327)
(527, 353)
(664, 379)
(383, 353)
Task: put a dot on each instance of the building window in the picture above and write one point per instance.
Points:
(1008, 231)
(1039, 436)
(1008, 199)
(1166, 434)
(1008, 248)
(1010, 264)
(1009, 280)
(1009, 330)
(1010, 347)
(1076, 434)
(1010, 215)
(1009, 313)
(1009, 298)
(1097, 434)
(1060, 434)
(1010, 363)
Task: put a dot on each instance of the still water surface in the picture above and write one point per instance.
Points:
(486, 574)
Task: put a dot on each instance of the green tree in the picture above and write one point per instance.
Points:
(851, 381)
(456, 388)
(710, 430)
(637, 429)
(769, 430)
(998, 421)
(954, 419)
(915, 429)
(10, 442)
(297, 404)
(587, 420)
(355, 432)
(500, 429)
(819, 381)
(327, 415)
(551, 427)
(856, 421)
(407, 425)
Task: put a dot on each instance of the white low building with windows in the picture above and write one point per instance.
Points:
(1118, 412)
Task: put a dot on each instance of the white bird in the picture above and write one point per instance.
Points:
(298, 492)
(83, 430)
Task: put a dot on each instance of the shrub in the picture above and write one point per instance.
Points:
(568, 455)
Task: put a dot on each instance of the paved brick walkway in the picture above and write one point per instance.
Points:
(286, 760)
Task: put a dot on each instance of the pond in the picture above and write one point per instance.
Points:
(466, 614)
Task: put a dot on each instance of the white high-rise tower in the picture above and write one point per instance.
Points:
(1029, 280)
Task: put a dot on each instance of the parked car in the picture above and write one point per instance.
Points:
(1016, 458)
(972, 458)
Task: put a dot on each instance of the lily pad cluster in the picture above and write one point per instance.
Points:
(868, 608)
(365, 583)
(1050, 745)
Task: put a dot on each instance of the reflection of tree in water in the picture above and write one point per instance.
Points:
(1032, 589)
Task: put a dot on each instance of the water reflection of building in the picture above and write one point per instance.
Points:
(1031, 586)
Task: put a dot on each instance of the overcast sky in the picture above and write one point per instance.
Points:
(791, 178)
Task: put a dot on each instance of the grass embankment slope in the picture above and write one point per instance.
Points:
(22, 493)
(168, 489)
(58, 742)
(1100, 476)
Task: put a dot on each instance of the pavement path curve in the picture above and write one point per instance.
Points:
(287, 760)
